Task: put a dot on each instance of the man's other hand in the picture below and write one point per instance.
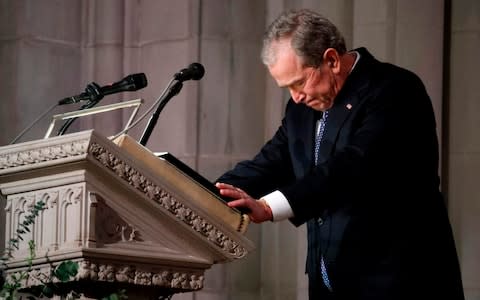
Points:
(259, 209)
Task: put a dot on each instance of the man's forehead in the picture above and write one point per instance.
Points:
(281, 47)
(286, 67)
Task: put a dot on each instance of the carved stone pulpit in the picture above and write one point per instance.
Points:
(129, 219)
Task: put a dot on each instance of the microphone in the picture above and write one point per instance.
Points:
(94, 92)
(194, 71)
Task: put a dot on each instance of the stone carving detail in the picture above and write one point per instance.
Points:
(179, 210)
(143, 278)
(196, 282)
(89, 270)
(20, 205)
(84, 272)
(50, 198)
(73, 195)
(129, 274)
(106, 273)
(52, 220)
(180, 281)
(125, 274)
(112, 228)
(161, 279)
(10, 160)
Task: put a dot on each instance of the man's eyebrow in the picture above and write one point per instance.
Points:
(293, 82)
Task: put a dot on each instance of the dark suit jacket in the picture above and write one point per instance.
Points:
(384, 229)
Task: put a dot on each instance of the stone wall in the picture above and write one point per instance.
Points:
(52, 49)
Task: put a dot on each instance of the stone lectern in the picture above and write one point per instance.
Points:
(130, 219)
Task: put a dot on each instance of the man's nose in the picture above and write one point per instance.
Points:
(297, 96)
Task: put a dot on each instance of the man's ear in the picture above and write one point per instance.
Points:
(331, 57)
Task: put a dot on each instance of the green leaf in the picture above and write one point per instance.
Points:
(25, 227)
(66, 270)
(121, 295)
(111, 297)
(47, 291)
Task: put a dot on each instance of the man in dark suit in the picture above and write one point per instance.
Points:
(356, 158)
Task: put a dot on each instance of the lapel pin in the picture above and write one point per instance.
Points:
(349, 106)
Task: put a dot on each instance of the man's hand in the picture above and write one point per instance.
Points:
(259, 209)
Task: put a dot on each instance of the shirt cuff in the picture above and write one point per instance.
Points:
(281, 209)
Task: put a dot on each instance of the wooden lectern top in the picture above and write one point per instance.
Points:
(184, 180)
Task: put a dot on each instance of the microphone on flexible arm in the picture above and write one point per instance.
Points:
(94, 92)
(194, 71)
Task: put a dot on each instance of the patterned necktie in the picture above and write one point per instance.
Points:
(319, 134)
(325, 278)
(318, 138)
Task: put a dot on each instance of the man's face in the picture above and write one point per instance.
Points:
(314, 87)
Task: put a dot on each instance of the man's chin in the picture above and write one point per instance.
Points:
(318, 106)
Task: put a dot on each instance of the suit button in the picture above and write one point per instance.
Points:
(320, 221)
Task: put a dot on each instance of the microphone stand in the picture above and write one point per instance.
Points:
(173, 90)
(93, 90)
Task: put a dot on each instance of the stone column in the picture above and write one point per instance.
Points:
(231, 119)
(406, 33)
(102, 59)
(39, 54)
(464, 140)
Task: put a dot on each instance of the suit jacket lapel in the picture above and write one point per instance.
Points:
(304, 143)
(345, 102)
(336, 117)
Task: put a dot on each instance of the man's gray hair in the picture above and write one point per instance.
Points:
(311, 34)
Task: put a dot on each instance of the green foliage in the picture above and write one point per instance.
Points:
(120, 296)
(22, 228)
(9, 288)
(64, 272)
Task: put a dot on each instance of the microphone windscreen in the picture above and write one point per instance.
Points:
(139, 80)
(197, 71)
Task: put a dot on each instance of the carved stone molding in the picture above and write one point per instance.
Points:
(93, 270)
(112, 228)
(122, 273)
(42, 154)
(177, 209)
